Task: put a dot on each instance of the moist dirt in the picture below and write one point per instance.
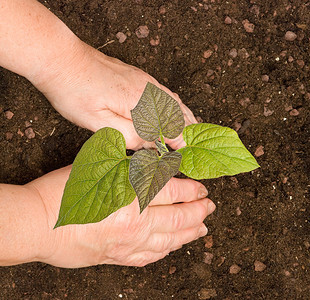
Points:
(242, 64)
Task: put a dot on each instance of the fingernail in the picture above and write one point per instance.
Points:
(203, 230)
(203, 192)
(211, 207)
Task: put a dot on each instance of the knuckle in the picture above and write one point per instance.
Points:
(178, 218)
(173, 192)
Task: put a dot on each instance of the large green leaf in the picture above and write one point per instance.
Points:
(212, 151)
(98, 184)
(157, 114)
(148, 173)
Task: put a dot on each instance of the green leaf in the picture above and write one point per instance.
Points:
(148, 173)
(212, 151)
(161, 148)
(157, 114)
(98, 184)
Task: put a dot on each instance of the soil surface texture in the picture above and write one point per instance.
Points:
(242, 64)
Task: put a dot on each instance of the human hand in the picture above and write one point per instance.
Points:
(97, 91)
(126, 237)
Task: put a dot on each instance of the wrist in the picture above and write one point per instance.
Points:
(58, 65)
(41, 246)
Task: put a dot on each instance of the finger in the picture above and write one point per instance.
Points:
(160, 242)
(180, 190)
(172, 218)
(108, 118)
(143, 258)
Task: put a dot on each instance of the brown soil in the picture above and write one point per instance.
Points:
(261, 216)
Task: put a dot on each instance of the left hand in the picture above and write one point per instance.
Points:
(97, 91)
(126, 237)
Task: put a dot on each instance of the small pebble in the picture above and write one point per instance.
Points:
(172, 269)
(259, 151)
(9, 115)
(243, 53)
(294, 112)
(208, 258)
(208, 241)
(19, 132)
(230, 62)
(121, 37)
(155, 41)
(228, 20)
(238, 211)
(249, 27)
(287, 273)
(233, 53)
(288, 107)
(210, 73)
(162, 10)
(27, 124)
(255, 10)
(290, 59)
(268, 112)
(237, 125)
(204, 294)
(234, 269)
(141, 60)
(9, 136)
(259, 266)
(265, 78)
(245, 102)
(30, 133)
(300, 63)
(207, 53)
(290, 36)
(142, 31)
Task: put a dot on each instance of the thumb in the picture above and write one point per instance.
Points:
(180, 190)
(107, 118)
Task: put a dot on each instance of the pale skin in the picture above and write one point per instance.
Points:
(93, 91)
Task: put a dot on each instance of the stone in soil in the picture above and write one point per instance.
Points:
(208, 241)
(208, 258)
(155, 41)
(204, 293)
(233, 53)
(228, 20)
(141, 60)
(30, 133)
(290, 36)
(9, 136)
(121, 37)
(249, 27)
(259, 266)
(142, 31)
(294, 112)
(268, 112)
(207, 53)
(234, 269)
(8, 114)
(172, 269)
(259, 151)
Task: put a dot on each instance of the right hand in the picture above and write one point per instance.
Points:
(126, 237)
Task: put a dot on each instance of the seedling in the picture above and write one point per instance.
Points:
(103, 178)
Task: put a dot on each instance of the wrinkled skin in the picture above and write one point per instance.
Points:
(126, 237)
